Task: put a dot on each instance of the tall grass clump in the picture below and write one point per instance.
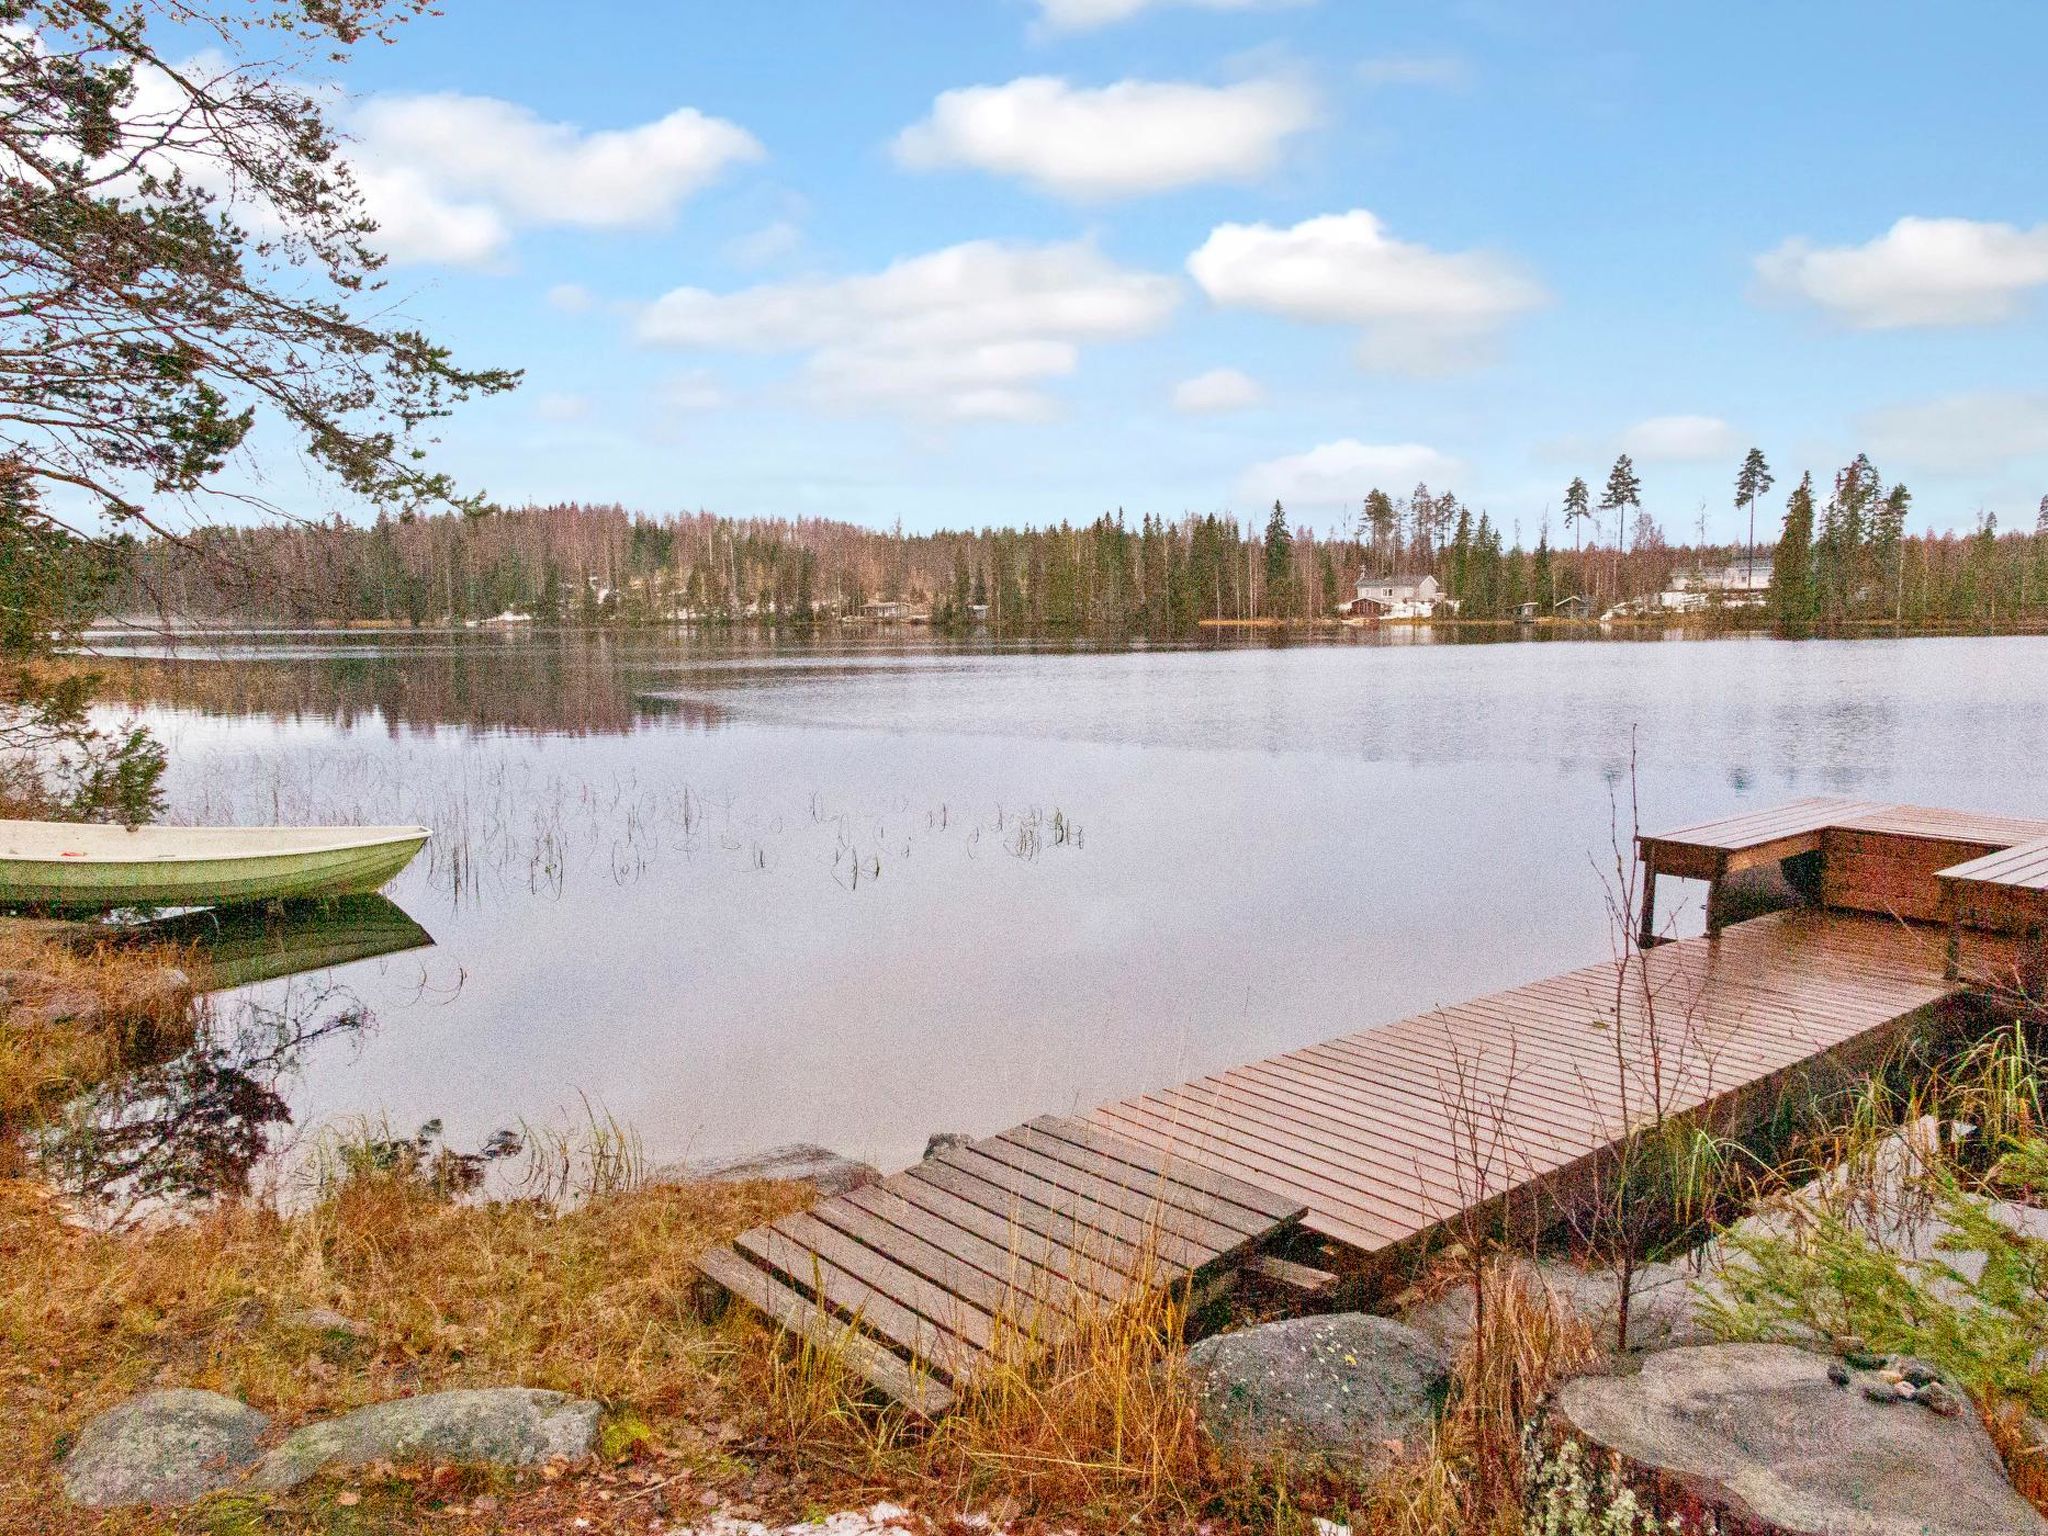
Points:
(1091, 1416)
(75, 1014)
(1100, 1430)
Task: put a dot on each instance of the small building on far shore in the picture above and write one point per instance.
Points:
(895, 612)
(1741, 583)
(1398, 597)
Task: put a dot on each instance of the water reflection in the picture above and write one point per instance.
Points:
(179, 1126)
(242, 946)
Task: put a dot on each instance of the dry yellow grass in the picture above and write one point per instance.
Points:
(72, 1015)
(1102, 1434)
(592, 1301)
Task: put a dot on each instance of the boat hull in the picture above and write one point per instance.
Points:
(99, 884)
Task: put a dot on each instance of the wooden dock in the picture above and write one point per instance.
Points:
(1377, 1140)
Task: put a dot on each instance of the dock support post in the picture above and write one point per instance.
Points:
(1952, 969)
(1646, 933)
(1717, 916)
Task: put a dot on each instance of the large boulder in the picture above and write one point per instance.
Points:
(1663, 1304)
(824, 1170)
(1349, 1388)
(497, 1426)
(162, 1448)
(1770, 1440)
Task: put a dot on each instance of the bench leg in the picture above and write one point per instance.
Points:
(1646, 933)
(1715, 917)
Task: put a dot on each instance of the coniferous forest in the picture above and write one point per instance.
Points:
(1842, 553)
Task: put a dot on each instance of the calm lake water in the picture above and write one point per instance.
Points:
(739, 895)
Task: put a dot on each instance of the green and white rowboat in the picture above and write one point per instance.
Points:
(85, 866)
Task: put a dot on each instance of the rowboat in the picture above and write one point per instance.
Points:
(87, 866)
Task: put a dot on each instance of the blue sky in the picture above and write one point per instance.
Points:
(970, 261)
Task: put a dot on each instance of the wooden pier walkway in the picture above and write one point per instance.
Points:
(1377, 1139)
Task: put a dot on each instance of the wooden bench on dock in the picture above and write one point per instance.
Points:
(1379, 1140)
(2005, 891)
(1860, 855)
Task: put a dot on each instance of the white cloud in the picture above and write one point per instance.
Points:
(1133, 137)
(1220, 389)
(571, 298)
(1972, 433)
(561, 407)
(1422, 310)
(418, 222)
(764, 246)
(450, 177)
(1084, 15)
(691, 391)
(970, 332)
(1680, 439)
(1340, 473)
(1440, 70)
(1918, 272)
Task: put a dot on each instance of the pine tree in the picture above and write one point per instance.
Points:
(1461, 554)
(1381, 519)
(2041, 553)
(1577, 508)
(1791, 570)
(1623, 492)
(1544, 584)
(1421, 519)
(1887, 535)
(1844, 526)
(1751, 481)
(1279, 565)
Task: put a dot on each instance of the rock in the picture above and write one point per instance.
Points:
(162, 1448)
(1347, 1387)
(1662, 1312)
(68, 1005)
(499, 1426)
(1941, 1398)
(325, 1320)
(945, 1141)
(1755, 1437)
(826, 1171)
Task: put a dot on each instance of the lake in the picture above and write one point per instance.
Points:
(744, 893)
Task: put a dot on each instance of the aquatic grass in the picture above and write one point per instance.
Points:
(507, 826)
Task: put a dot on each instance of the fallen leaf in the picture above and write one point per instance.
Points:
(349, 1499)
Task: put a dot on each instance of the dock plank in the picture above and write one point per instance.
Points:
(896, 1379)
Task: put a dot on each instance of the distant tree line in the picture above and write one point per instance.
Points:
(1851, 559)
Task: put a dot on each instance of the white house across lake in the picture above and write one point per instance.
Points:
(1741, 583)
(1399, 597)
